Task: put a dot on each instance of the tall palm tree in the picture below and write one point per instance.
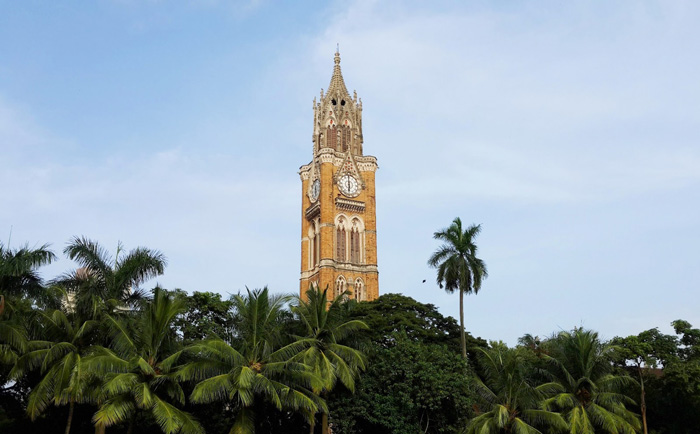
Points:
(102, 278)
(326, 327)
(60, 358)
(589, 395)
(258, 368)
(511, 398)
(458, 267)
(139, 369)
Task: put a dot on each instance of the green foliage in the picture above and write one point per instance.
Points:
(108, 354)
(415, 379)
(327, 326)
(588, 394)
(260, 369)
(205, 316)
(407, 388)
(393, 314)
(19, 277)
(138, 371)
(326, 329)
(108, 283)
(673, 394)
(458, 267)
(60, 360)
(509, 395)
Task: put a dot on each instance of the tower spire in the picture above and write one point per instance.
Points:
(337, 86)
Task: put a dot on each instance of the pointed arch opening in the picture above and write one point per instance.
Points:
(340, 240)
(357, 241)
(341, 285)
(359, 290)
(331, 135)
(345, 136)
(314, 243)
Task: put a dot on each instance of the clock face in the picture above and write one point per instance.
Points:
(348, 185)
(315, 190)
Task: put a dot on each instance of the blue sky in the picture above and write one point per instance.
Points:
(569, 130)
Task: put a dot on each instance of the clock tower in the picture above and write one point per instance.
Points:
(338, 212)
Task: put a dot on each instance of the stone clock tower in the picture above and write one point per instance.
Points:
(338, 213)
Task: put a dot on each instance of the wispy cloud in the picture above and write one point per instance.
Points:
(562, 113)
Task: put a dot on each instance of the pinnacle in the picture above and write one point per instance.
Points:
(337, 85)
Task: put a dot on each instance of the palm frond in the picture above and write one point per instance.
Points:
(114, 410)
(218, 388)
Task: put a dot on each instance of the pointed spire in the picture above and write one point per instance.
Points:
(337, 83)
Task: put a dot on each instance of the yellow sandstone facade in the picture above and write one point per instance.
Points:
(338, 213)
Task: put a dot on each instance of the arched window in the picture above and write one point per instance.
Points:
(342, 228)
(314, 244)
(356, 243)
(340, 286)
(340, 243)
(317, 227)
(345, 136)
(359, 290)
(353, 252)
(332, 136)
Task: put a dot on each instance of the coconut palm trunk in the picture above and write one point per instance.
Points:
(461, 324)
(71, 407)
(100, 429)
(642, 400)
(324, 423)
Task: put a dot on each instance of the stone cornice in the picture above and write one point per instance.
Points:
(365, 163)
(350, 268)
(305, 171)
(313, 211)
(349, 205)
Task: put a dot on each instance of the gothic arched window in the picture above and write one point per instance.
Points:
(318, 241)
(332, 136)
(340, 243)
(314, 244)
(359, 290)
(345, 137)
(356, 241)
(340, 286)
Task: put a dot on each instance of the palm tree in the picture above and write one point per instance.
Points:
(139, 368)
(102, 278)
(458, 267)
(512, 399)
(61, 360)
(589, 394)
(326, 328)
(19, 280)
(259, 368)
(19, 276)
